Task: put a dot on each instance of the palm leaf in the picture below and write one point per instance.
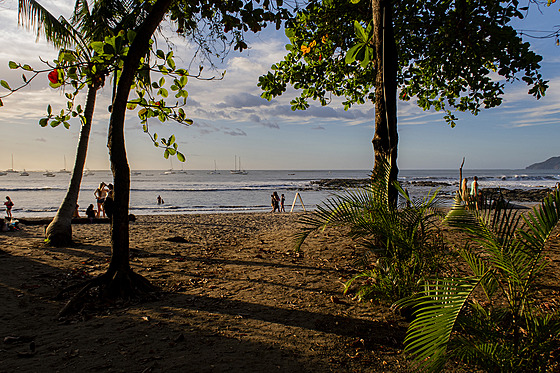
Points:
(31, 14)
(436, 312)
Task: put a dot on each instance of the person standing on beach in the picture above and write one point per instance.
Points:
(100, 194)
(160, 200)
(474, 191)
(465, 190)
(108, 203)
(282, 200)
(274, 201)
(8, 205)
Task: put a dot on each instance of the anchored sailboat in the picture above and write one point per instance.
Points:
(238, 171)
(215, 172)
(64, 170)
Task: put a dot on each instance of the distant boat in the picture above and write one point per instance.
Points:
(64, 170)
(11, 170)
(24, 173)
(171, 171)
(2, 173)
(49, 174)
(215, 172)
(238, 171)
(135, 173)
(87, 172)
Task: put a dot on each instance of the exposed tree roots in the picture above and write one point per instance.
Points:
(111, 286)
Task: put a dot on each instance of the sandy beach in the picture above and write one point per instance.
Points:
(234, 298)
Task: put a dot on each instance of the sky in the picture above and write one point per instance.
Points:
(230, 118)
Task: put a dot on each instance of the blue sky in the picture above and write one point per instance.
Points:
(231, 119)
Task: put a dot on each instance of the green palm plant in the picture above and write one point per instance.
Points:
(401, 243)
(490, 320)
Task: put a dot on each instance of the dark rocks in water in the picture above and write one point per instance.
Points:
(519, 195)
(339, 183)
(429, 183)
(552, 163)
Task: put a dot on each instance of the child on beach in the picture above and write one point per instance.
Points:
(8, 205)
(282, 200)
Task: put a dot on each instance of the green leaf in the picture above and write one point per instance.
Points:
(97, 46)
(1, 103)
(160, 54)
(360, 32)
(171, 140)
(181, 157)
(5, 84)
(13, 65)
(166, 154)
(43, 122)
(49, 110)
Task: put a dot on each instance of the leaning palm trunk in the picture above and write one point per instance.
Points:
(59, 231)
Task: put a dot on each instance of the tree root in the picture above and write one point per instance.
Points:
(114, 285)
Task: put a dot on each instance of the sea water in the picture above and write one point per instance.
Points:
(188, 192)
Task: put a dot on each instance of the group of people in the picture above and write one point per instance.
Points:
(277, 202)
(104, 198)
(473, 196)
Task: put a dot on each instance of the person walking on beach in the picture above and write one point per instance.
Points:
(100, 194)
(274, 201)
(8, 205)
(282, 200)
(160, 200)
(474, 191)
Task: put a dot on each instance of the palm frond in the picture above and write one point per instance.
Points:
(33, 15)
(436, 312)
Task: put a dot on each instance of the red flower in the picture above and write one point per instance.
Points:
(53, 76)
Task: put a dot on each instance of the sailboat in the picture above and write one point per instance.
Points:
(215, 172)
(11, 170)
(171, 171)
(24, 173)
(238, 171)
(64, 170)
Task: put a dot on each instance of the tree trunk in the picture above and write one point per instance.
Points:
(59, 231)
(386, 138)
(123, 282)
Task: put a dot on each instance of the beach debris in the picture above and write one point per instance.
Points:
(337, 300)
(17, 339)
(177, 239)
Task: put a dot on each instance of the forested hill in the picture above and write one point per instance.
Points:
(550, 164)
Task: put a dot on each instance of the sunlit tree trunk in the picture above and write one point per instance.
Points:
(59, 231)
(123, 281)
(386, 138)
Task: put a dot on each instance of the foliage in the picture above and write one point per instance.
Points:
(402, 244)
(77, 69)
(448, 54)
(490, 319)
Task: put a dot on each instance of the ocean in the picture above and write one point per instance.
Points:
(38, 195)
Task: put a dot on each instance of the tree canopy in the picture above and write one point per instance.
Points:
(451, 55)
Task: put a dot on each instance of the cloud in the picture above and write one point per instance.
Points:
(242, 100)
(264, 123)
(235, 132)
